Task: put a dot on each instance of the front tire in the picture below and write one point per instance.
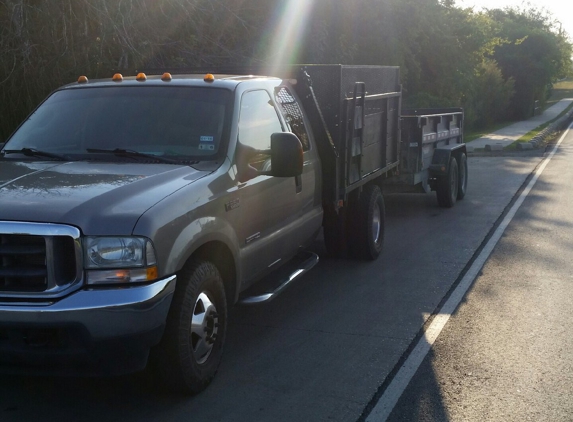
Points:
(192, 345)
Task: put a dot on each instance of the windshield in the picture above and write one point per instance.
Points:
(182, 122)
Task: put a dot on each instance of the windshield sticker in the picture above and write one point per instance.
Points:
(206, 139)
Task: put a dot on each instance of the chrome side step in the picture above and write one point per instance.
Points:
(267, 289)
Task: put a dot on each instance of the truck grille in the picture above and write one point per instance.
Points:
(37, 259)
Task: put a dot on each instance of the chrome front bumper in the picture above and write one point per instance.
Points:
(95, 325)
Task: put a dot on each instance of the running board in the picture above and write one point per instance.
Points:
(275, 283)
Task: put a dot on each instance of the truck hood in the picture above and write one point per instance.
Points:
(99, 198)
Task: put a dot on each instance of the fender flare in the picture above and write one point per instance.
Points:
(441, 159)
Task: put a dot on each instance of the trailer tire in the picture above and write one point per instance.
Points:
(367, 235)
(463, 176)
(447, 189)
(189, 354)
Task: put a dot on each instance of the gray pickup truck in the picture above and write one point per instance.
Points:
(134, 212)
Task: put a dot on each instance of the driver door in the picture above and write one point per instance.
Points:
(268, 204)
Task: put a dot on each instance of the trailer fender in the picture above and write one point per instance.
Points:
(441, 161)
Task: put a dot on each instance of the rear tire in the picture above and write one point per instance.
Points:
(367, 228)
(447, 189)
(190, 352)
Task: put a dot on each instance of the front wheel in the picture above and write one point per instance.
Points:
(192, 345)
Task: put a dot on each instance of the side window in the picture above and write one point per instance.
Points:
(258, 120)
(293, 115)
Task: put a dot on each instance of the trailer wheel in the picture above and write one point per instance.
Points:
(190, 352)
(463, 177)
(447, 189)
(368, 224)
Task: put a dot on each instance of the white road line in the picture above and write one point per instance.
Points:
(392, 394)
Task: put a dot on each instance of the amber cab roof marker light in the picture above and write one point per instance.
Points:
(118, 77)
(83, 79)
(166, 77)
(141, 77)
(209, 77)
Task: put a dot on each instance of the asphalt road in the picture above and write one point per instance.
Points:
(507, 353)
(321, 350)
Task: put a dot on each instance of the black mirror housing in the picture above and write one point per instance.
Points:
(286, 155)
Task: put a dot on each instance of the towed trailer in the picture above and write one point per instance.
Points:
(433, 155)
(365, 140)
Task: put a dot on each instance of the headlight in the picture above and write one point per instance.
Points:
(115, 260)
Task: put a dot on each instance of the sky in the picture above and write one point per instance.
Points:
(562, 10)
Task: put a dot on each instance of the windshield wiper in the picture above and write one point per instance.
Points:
(33, 152)
(131, 153)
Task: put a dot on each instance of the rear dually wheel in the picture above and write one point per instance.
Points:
(367, 224)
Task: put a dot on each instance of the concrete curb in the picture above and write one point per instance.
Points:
(494, 147)
(556, 125)
(522, 146)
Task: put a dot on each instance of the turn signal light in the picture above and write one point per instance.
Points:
(122, 276)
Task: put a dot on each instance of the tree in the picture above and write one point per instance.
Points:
(445, 52)
(533, 53)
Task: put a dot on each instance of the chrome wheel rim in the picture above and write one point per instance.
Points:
(204, 328)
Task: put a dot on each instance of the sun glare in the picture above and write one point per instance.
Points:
(291, 25)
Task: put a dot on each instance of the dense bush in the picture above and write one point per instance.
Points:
(492, 97)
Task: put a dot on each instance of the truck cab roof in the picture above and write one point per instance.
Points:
(196, 80)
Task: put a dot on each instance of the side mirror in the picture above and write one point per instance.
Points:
(286, 155)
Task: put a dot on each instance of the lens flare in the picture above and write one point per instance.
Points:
(290, 27)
